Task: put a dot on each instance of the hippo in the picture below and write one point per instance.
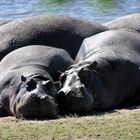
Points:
(3, 22)
(106, 74)
(56, 31)
(131, 21)
(28, 84)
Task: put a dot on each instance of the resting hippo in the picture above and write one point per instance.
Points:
(57, 31)
(130, 22)
(3, 22)
(106, 75)
(27, 75)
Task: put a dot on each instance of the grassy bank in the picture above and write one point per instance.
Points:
(121, 124)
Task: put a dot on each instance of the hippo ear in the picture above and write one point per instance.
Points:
(93, 65)
(23, 78)
(57, 85)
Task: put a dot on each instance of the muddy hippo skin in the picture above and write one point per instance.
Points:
(57, 31)
(106, 76)
(27, 87)
(130, 22)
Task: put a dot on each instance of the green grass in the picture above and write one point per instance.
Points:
(122, 124)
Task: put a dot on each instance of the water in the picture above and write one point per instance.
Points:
(97, 10)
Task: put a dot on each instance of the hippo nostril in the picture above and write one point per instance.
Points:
(33, 96)
(82, 89)
(61, 94)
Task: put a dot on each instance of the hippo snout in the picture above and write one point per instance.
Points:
(36, 106)
(75, 100)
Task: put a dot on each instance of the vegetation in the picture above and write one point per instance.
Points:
(121, 124)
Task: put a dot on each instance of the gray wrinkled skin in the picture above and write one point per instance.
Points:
(106, 75)
(27, 81)
(56, 31)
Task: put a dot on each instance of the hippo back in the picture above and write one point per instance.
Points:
(129, 22)
(57, 31)
(49, 58)
(3, 22)
(114, 43)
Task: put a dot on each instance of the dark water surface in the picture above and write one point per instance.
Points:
(98, 10)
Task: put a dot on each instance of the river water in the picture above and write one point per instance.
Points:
(97, 10)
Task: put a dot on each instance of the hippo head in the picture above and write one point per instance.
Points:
(77, 88)
(35, 98)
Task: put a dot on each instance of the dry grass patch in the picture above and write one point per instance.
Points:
(121, 124)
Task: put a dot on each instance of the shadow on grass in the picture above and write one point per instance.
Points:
(99, 113)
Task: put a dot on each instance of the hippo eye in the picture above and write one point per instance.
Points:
(47, 83)
(62, 78)
(70, 67)
(41, 77)
(84, 75)
(30, 85)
